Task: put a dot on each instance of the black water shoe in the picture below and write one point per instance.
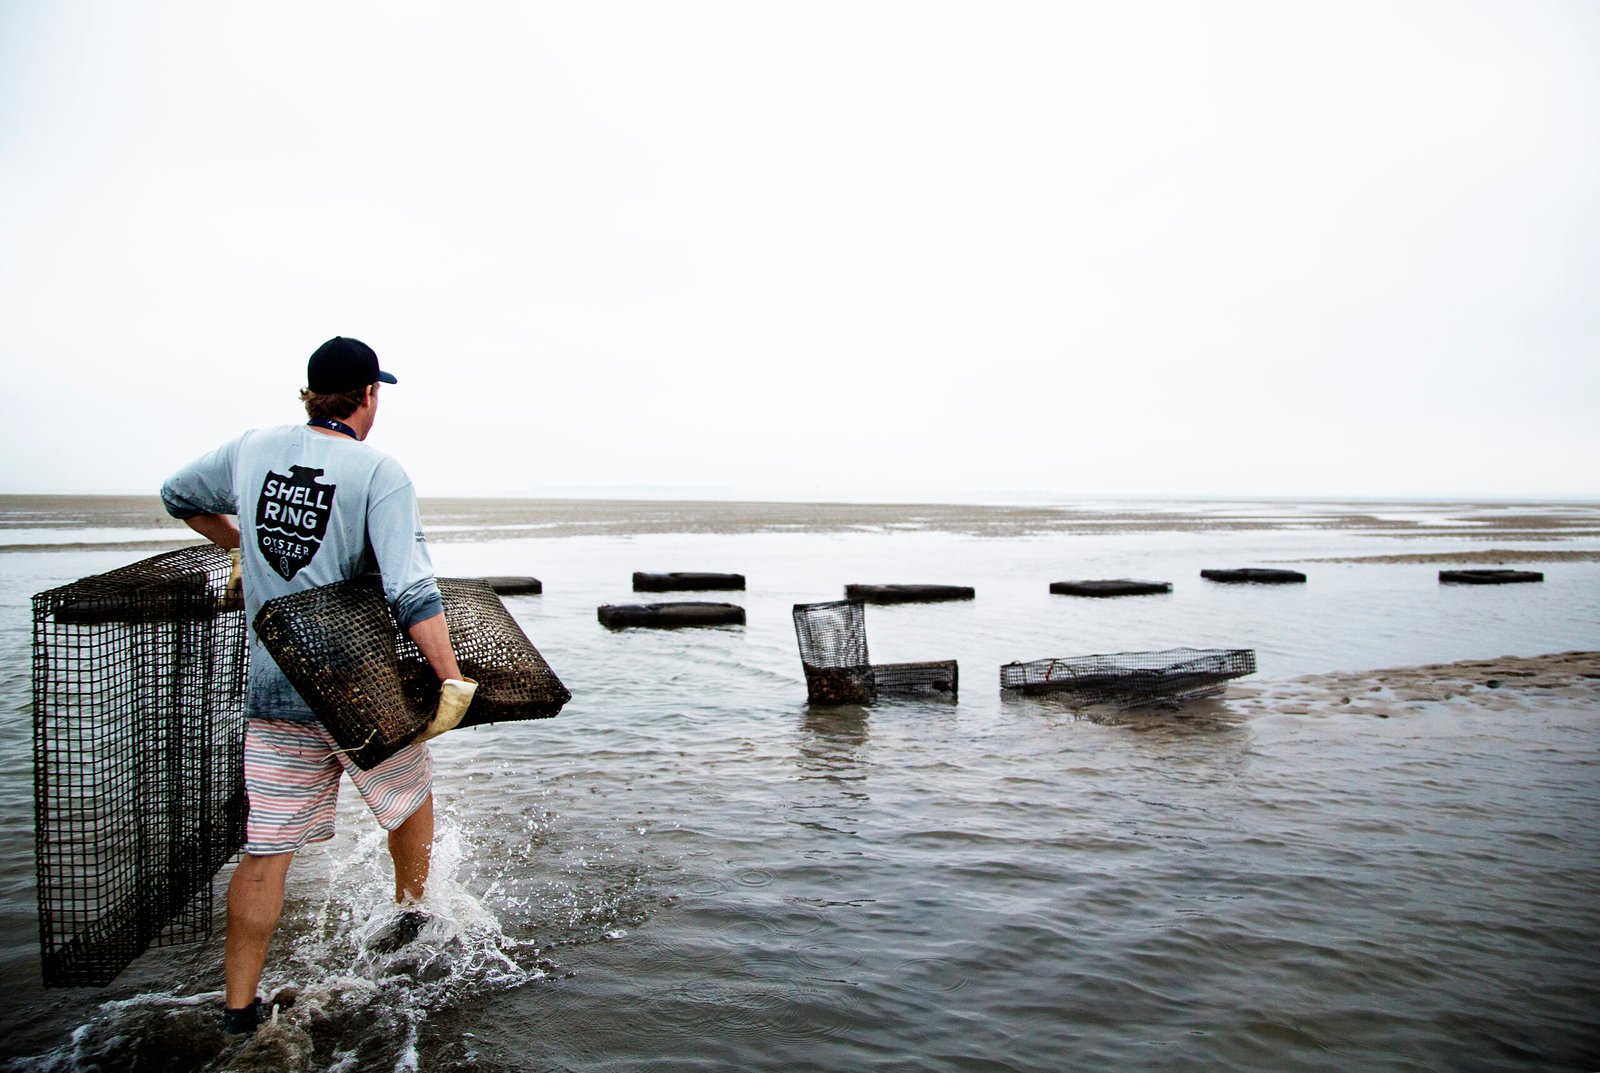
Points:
(242, 1022)
(399, 932)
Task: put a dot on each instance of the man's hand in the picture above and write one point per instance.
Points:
(233, 593)
(454, 696)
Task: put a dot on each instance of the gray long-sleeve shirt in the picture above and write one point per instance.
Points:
(313, 509)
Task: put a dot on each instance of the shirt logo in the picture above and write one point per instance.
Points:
(292, 518)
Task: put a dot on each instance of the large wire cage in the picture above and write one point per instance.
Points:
(833, 650)
(368, 683)
(1133, 679)
(138, 745)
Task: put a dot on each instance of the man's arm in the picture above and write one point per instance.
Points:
(394, 530)
(221, 529)
(432, 636)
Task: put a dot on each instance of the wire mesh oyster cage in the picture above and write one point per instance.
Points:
(139, 681)
(925, 678)
(833, 651)
(1133, 679)
(368, 683)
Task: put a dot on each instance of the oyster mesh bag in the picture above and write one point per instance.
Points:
(833, 650)
(1133, 679)
(138, 747)
(346, 655)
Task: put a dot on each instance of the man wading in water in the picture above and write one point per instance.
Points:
(319, 506)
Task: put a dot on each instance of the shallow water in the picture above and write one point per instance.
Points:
(692, 869)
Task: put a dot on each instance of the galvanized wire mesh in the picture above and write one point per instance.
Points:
(138, 720)
(936, 678)
(1132, 679)
(833, 650)
(832, 634)
(840, 685)
(341, 648)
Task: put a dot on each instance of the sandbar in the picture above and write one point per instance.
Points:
(1510, 684)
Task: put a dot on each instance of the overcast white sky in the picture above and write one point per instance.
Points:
(818, 250)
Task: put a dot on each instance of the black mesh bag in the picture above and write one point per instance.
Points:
(138, 748)
(341, 648)
(1133, 679)
(833, 650)
(927, 678)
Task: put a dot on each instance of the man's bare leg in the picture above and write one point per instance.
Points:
(255, 898)
(411, 848)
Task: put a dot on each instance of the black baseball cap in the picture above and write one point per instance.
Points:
(343, 364)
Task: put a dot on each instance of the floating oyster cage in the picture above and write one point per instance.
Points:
(368, 683)
(684, 581)
(510, 585)
(1489, 577)
(908, 594)
(138, 747)
(1110, 587)
(1255, 575)
(670, 615)
(1133, 679)
(833, 651)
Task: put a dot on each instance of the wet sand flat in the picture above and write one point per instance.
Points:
(454, 519)
(1467, 555)
(1510, 684)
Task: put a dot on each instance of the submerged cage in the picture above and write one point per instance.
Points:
(684, 581)
(1489, 577)
(512, 585)
(932, 678)
(1132, 679)
(138, 744)
(1255, 575)
(833, 650)
(670, 615)
(1110, 587)
(908, 594)
(368, 683)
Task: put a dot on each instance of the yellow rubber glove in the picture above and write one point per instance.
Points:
(454, 696)
(232, 597)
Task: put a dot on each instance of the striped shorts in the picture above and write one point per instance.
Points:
(291, 773)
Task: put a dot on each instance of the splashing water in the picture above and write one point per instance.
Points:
(354, 1007)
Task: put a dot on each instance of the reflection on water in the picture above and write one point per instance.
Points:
(693, 869)
(1162, 719)
(832, 742)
